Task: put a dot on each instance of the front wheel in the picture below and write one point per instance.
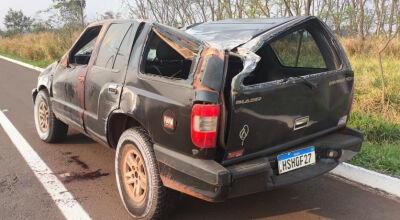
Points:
(48, 127)
(139, 184)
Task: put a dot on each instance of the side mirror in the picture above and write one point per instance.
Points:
(64, 61)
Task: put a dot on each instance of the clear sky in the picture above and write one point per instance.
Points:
(94, 8)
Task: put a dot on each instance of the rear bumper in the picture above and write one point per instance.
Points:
(209, 180)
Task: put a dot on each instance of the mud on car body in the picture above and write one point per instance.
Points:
(214, 110)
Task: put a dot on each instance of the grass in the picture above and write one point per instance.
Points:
(381, 123)
(41, 64)
(367, 99)
(381, 147)
(382, 157)
(376, 129)
(44, 47)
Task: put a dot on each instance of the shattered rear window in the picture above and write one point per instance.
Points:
(166, 58)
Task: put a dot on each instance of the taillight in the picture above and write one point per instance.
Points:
(205, 125)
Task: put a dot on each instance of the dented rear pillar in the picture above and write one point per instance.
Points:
(209, 74)
(250, 60)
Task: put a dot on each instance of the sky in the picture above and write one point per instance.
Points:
(94, 8)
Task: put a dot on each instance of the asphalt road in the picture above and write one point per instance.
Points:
(92, 180)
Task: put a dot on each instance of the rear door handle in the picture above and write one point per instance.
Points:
(113, 88)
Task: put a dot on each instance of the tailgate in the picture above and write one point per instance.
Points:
(300, 86)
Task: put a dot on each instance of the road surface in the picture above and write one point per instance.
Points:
(87, 171)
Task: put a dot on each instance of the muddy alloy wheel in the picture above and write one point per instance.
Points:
(43, 115)
(135, 178)
(48, 127)
(141, 189)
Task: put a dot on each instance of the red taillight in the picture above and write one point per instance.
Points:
(205, 125)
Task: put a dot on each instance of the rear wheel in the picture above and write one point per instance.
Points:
(48, 127)
(139, 183)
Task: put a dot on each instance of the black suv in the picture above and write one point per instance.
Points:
(214, 110)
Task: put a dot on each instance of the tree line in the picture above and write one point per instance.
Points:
(345, 17)
(62, 16)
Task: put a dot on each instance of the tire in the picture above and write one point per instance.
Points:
(51, 129)
(156, 201)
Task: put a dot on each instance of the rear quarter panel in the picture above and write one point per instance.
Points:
(147, 98)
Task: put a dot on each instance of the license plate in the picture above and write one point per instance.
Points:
(296, 159)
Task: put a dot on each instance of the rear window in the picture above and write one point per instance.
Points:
(161, 59)
(298, 49)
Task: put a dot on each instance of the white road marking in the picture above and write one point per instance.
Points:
(64, 200)
(22, 64)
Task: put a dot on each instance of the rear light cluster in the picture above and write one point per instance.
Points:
(205, 125)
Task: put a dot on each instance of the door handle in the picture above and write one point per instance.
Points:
(113, 88)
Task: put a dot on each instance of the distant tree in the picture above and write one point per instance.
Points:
(16, 22)
(41, 26)
(70, 13)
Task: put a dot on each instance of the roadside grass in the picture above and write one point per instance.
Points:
(375, 128)
(381, 123)
(381, 147)
(41, 64)
(367, 97)
(381, 157)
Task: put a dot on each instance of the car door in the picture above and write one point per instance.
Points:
(105, 78)
(69, 76)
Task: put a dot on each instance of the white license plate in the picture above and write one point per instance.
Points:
(296, 159)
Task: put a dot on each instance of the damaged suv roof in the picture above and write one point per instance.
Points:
(230, 33)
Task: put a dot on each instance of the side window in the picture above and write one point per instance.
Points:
(162, 59)
(82, 51)
(110, 45)
(298, 49)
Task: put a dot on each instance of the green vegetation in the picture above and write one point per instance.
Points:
(376, 130)
(383, 157)
(42, 64)
(381, 149)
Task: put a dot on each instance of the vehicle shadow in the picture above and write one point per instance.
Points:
(74, 137)
(322, 197)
